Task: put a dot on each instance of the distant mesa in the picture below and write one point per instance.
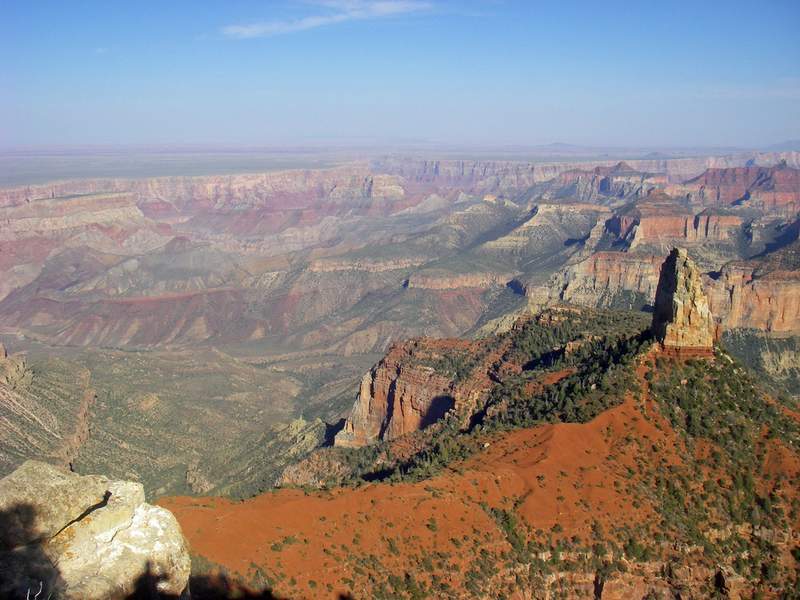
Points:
(178, 244)
(682, 320)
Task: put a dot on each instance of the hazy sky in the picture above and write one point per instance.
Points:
(269, 72)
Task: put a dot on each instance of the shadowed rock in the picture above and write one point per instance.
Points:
(682, 319)
(99, 536)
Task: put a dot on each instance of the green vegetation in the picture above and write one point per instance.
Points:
(772, 358)
(727, 424)
(715, 503)
(598, 348)
(602, 365)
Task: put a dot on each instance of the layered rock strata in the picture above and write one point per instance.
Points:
(743, 294)
(396, 397)
(773, 189)
(682, 320)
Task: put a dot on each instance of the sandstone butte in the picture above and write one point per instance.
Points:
(682, 320)
(397, 397)
(744, 294)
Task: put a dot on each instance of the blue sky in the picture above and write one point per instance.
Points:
(273, 72)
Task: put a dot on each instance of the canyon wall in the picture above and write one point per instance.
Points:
(770, 189)
(500, 175)
(744, 299)
(740, 296)
(396, 397)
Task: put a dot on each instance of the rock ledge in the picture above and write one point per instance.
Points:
(85, 537)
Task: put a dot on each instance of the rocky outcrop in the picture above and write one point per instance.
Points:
(396, 397)
(713, 226)
(604, 279)
(759, 294)
(741, 295)
(682, 320)
(660, 220)
(616, 182)
(12, 368)
(85, 537)
(417, 384)
(771, 189)
(653, 221)
(548, 229)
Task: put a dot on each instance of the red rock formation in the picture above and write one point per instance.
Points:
(416, 384)
(772, 189)
(396, 397)
(711, 226)
(760, 294)
(660, 219)
(682, 320)
(655, 219)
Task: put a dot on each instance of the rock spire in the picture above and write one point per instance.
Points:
(682, 319)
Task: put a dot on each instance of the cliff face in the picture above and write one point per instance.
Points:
(216, 191)
(500, 175)
(659, 220)
(649, 221)
(742, 295)
(549, 230)
(710, 226)
(682, 318)
(616, 182)
(396, 397)
(417, 384)
(771, 189)
(604, 279)
(45, 411)
(760, 294)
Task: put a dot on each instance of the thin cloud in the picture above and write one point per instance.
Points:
(342, 11)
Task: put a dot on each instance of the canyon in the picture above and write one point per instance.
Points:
(483, 501)
(257, 302)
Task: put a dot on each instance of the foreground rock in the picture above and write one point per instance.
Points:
(85, 537)
(682, 319)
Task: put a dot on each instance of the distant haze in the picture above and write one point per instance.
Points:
(366, 72)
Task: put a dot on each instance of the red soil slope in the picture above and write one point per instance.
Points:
(569, 475)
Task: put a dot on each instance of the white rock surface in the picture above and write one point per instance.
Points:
(95, 549)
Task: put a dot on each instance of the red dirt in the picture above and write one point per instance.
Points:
(565, 474)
